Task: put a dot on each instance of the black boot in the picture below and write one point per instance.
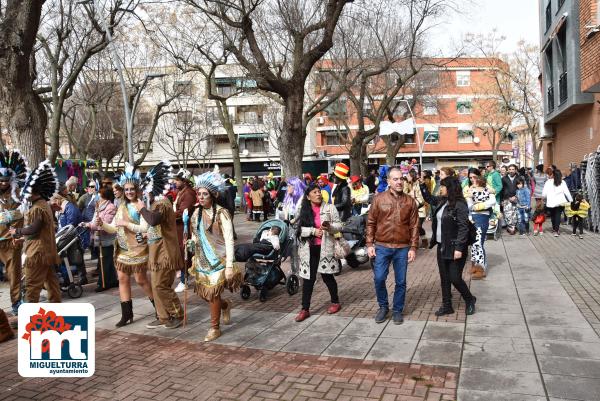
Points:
(445, 309)
(126, 313)
(82, 275)
(471, 306)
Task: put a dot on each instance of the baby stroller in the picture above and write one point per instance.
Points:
(263, 272)
(70, 250)
(494, 225)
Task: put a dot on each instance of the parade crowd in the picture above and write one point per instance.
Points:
(163, 228)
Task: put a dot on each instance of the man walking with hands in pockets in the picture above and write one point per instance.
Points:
(392, 236)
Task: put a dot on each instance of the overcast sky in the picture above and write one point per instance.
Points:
(515, 19)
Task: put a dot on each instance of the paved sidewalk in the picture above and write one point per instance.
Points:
(528, 340)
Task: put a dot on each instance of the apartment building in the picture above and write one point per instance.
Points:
(570, 53)
(451, 119)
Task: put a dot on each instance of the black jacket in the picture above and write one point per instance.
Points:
(342, 200)
(509, 188)
(455, 229)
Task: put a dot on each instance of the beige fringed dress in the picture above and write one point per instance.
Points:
(131, 256)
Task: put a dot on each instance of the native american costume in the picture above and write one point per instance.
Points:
(212, 238)
(13, 169)
(40, 243)
(164, 257)
(131, 250)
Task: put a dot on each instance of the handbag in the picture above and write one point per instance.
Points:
(341, 248)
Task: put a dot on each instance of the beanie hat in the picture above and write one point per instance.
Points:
(341, 171)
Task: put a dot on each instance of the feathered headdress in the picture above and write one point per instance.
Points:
(130, 176)
(13, 166)
(42, 181)
(211, 181)
(183, 174)
(156, 181)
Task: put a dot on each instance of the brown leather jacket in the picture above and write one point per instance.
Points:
(393, 221)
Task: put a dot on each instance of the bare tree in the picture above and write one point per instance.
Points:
(278, 42)
(70, 34)
(21, 109)
(185, 136)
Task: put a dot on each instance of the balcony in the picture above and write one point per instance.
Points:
(548, 15)
(562, 88)
(550, 102)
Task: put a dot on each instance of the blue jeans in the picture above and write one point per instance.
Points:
(399, 258)
(523, 220)
(482, 223)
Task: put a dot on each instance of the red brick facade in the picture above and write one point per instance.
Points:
(448, 121)
(590, 45)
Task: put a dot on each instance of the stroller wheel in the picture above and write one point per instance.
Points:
(75, 290)
(292, 284)
(245, 292)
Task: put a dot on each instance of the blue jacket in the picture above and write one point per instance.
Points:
(524, 198)
(72, 215)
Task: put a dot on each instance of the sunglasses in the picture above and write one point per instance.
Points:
(92, 186)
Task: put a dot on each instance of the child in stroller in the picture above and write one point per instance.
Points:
(70, 250)
(270, 247)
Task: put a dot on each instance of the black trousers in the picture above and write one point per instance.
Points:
(577, 222)
(107, 268)
(328, 279)
(451, 274)
(555, 216)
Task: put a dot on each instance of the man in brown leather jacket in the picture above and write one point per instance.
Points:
(392, 236)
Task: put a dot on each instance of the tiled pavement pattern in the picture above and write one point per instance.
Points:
(528, 340)
(576, 264)
(139, 367)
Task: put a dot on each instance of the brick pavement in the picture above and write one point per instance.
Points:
(137, 367)
(575, 262)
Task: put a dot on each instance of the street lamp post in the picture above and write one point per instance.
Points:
(129, 113)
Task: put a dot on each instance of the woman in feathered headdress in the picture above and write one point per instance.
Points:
(131, 255)
(13, 172)
(212, 241)
(40, 242)
(164, 259)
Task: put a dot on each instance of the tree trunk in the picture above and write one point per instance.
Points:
(20, 108)
(356, 154)
(291, 140)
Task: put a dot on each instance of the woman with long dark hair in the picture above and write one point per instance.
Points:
(213, 264)
(317, 223)
(557, 194)
(450, 234)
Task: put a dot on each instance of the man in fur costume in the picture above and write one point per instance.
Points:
(13, 173)
(164, 256)
(40, 243)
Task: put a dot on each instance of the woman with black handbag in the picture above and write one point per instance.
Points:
(451, 233)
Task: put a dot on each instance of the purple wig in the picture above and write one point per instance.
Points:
(290, 201)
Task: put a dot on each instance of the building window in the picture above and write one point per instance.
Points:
(249, 115)
(430, 107)
(410, 138)
(337, 109)
(334, 138)
(548, 15)
(398, 108)
(431, 137)
(183, 88)
(142, 146)
(463, 78)
(186, 145)
(562, 64)
(184, 117)
(464, 107)
(465, 136)
(254, 143)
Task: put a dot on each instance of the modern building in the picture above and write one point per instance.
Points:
(570, 55)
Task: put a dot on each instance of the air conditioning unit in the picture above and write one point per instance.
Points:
(245, 152)
(320, 120)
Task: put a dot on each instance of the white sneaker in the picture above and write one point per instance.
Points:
(180, 287)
